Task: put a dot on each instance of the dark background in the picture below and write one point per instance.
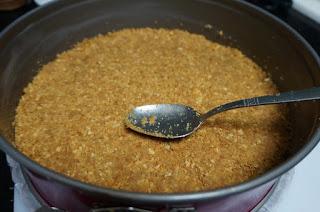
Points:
(305, 26)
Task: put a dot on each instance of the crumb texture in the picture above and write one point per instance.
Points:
(71, 117)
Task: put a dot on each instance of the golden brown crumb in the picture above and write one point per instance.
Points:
(144, 121)
(152, 120)
(70, 118)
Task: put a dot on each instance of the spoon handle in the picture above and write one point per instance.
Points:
(286, 97)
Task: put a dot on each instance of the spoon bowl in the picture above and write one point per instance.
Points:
(164, 120)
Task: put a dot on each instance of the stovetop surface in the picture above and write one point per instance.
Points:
(308, 28)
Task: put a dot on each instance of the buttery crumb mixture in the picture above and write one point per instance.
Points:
(71, 117)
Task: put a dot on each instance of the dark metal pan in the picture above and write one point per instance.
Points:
(37, 37)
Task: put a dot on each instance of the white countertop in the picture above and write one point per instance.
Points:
(303, 192)
(310, 8)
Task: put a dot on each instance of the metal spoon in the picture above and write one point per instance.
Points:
(177, 121)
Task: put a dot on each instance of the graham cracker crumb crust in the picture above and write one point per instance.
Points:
(70, 118)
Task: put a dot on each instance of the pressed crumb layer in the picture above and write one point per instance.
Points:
(71, 117)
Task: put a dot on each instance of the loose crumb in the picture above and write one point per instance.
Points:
(208, 26)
